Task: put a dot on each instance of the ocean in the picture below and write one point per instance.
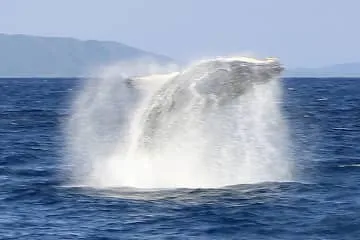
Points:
(321, 202)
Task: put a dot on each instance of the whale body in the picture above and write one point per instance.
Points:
(202, 88)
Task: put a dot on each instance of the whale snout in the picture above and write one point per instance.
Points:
(280, 68)
(272, 70)
(277, 67)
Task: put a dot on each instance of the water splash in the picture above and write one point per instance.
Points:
(242, 141)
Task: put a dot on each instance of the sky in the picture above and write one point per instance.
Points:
(302, 33)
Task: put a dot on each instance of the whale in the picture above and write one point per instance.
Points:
(200, 89)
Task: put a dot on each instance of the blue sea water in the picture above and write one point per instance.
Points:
(323, 203)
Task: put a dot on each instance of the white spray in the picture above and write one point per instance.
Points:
(239, 143)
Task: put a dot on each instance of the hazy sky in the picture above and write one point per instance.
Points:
(300, 32)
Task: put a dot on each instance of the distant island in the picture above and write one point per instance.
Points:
(32, 56)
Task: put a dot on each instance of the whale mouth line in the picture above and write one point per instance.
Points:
(245, 59)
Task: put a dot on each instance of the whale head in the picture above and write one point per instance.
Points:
(228, 78)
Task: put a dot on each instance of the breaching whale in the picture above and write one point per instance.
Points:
(214, 123)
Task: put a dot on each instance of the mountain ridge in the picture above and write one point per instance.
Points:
(29, 56)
